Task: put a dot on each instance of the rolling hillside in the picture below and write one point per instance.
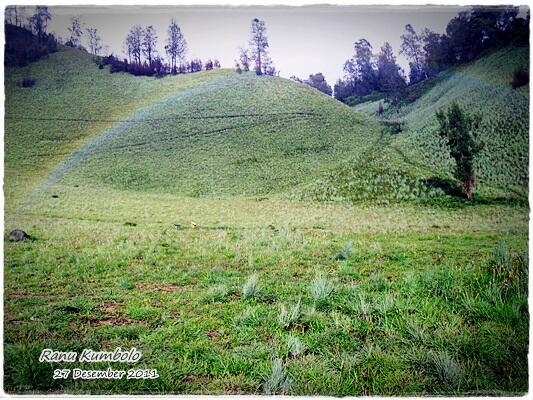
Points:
(71, 103)
(212, 133)
(218, 133)
(483, 86)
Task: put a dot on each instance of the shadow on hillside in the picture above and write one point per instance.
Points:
(446, 185)
(453, 190)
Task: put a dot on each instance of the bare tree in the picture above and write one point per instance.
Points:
(133, 43)
(258, 43)
(244, 58)
(149, 44)
(75, 30)
(176, 46)
(95, 42)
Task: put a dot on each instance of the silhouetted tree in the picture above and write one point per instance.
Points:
(176, 46)
(360, 68)
(389, 77)
(258, 44)
(149, 44)
(95, 42)
(216, 64)
(134, 43)
(411, 47)
(39, 21)
(459, 129)
(10, 15)
(75, 30)
(319, 82)
(343, 89)
(208, 65)
(244, 59)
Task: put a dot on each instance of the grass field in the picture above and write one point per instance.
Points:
(295, 279)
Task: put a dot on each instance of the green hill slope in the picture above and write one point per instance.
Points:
(216, 133)
(483, 86)
(72, 102)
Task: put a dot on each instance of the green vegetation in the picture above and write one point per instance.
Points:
(272, 291)
(72, 101)
(483, 87)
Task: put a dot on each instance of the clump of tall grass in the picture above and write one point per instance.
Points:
(250, 289)
(216, 293)
(346, 251)
(295, 347)
(509, 271)
(321, 288)
(289, 315)
(279, 381)
(446, 369)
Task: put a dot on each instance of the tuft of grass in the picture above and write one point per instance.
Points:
(346, 251)
(446, 369)
(250, 289)
(289, 315)
(279, 381)
(321, 288)
(295, 347)
(125, 283)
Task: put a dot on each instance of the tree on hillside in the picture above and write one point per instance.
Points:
(411, 47)
(244, 59)
(459, 129)
(343, 89)
(75, 30)
(134, 43)
(436, 51)
(258, 44)
(149, 44)
(95, 42)
(360, 68)
(319, 82)
(176, 46)
(39, 21)
(389, 77)
(15, 15)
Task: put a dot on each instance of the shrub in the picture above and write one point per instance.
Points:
(27, 82)
(250, 289)
(520, 77)
(279, 381)
(509, 272)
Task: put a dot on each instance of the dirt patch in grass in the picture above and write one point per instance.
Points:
(162, 287)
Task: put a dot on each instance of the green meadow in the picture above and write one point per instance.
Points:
(317, 253)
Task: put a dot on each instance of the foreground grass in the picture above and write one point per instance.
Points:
(270, 296)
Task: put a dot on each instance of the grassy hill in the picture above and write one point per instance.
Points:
(71, 103)
(483, 86)
(212, 133)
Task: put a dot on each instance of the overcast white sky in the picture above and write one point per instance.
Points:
(303, 40)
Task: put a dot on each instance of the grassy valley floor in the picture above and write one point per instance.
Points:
(351, 300)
